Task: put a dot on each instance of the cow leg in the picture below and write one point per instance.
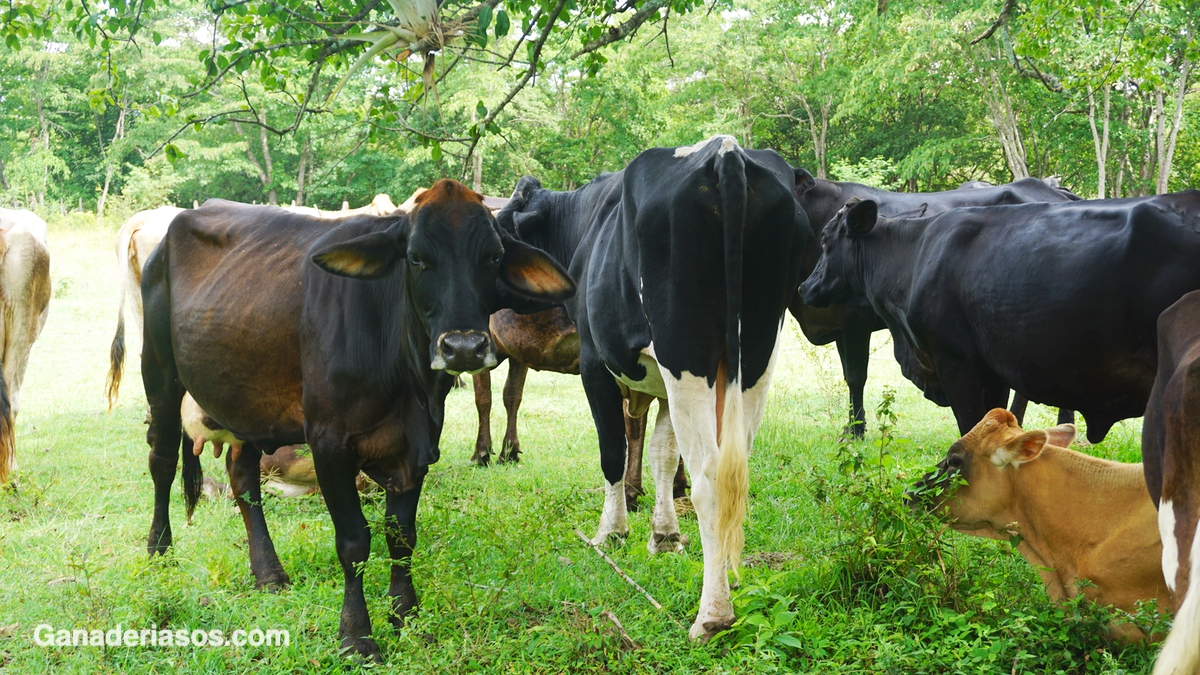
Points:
(247, 492)
(605, 401)
(1019, 404)
(336, 477)
(635, 439)
(692, 409)
(679, 486)
(664, 458)
(483, 404)
(970, 398)
(164, 395)
(401, 538)
(514, 388)
(854, 348)
(1066, 416)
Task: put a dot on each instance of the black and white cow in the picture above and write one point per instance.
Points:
(685, 261)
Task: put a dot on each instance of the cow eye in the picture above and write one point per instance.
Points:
(954, 462)
(497, 258)
(414, 260)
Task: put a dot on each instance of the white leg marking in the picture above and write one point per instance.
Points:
(693, 407)
(664, 458)
(1180, 654)
(615, 519)
(1170, 547)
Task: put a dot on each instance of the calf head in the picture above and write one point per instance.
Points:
(459, 268)
(836, 277)
(973, 486)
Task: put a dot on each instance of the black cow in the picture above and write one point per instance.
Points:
(286, 328)
(1171, 461)
(686, 261)
(850, 326)
(1055, 301)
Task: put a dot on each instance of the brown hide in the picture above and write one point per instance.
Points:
(1078, 517)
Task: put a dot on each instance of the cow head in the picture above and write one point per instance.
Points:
(973, 485)
(833, 281)
(528, 211)
(459, 268)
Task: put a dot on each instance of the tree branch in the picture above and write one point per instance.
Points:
(1004, 16)
(618, 33)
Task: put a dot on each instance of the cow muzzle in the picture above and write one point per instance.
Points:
(464, 352)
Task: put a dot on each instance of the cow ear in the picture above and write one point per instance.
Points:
(367, 257)
(1061, 436)
(804, 180)
(861, 217)
(1024, 448)
(531, 273)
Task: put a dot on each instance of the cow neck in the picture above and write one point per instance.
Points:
(884, 263)
(1067, 502)
(571, 214)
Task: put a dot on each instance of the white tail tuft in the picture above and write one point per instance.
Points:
(732, 477)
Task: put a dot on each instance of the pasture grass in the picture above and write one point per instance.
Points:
(839, 577)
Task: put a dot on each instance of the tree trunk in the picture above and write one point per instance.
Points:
(1166, 152)
(477, 169)
(264, 172)
(110, 164)
(3, 181)
(1100, 140)
(300, 173)
(45, 137)
(1005, 121)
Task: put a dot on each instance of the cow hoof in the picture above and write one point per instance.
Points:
(273, 583)
(614, 536)
(159, 544)
(482, 458)
(511, 455)
(704, 630)
(363, 649)
(665, 543)
(631, 501)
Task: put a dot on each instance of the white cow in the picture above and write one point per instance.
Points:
(136, 239)
(25, 302)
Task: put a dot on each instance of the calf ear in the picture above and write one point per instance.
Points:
(1024, 448)
(804, 180)
(531, 273)
(1061, 436)
(861, 217)
(367, 257)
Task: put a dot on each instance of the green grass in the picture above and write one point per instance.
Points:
(854, 584)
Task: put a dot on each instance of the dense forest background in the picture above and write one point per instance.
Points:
(907, 95)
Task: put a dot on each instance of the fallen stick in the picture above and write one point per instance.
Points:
(626, 641)
(625, 576)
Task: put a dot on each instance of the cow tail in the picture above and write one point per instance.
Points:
(8, 441)
(116, 353)
(193, 477)
(732, 476)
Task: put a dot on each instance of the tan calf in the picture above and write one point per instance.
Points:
(1077, 516)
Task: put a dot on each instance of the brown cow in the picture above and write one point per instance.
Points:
(1171, 455)
(1076, 516)
(546, 340)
